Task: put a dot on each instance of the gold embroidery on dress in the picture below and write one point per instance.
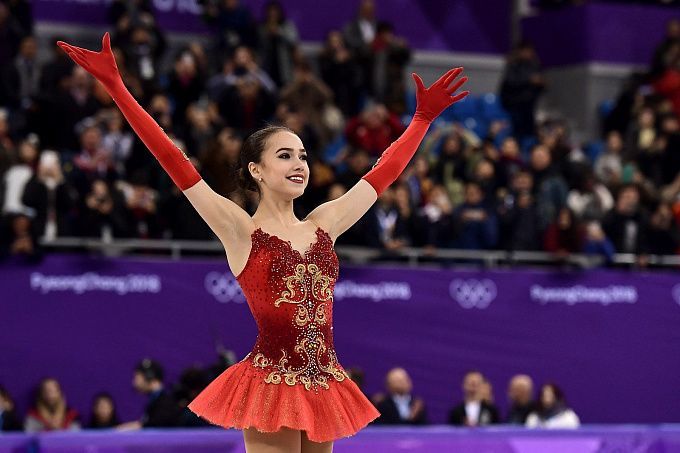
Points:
(311, 343)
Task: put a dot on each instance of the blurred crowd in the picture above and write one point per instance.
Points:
(71, 166)
(166, 405)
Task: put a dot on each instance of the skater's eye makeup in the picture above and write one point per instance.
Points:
(285, 153)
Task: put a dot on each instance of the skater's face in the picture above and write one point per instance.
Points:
(284, 156)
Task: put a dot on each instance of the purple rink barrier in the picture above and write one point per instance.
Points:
(595, 439)
(461, 26)
(609, 338)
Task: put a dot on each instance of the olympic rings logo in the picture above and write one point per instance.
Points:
(473, 293)
(224, 288)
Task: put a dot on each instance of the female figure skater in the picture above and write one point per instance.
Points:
(289, 394)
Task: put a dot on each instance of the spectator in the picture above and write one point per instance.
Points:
(185, 85)
(521, 86)
(400, 407)
(242, 64)
(663, 52)
(473, 411)
(391, 54)
(437, 216)
(384, 226)
(192, 381)
(17, 176)
(664, 235)
(141, 201)
(552, 410)
(19, 82)
(308, 95)
(626, 225)
(609, 164)
(596, 243)
(590, 200)
(50, 410)
(341, 72)
(360, 32)
(518, 218)
(94, 161)
(374, 129)
(103, 414)
(278, 43)
(51, 198)
(161, 409)
(449, 165)
(10, 35)
(9, 420)
(358, 163)
(103, 213)
(476, 224)
(565, 235)
(520, 390)
(117, 140)
(142, 42)
(233, 25)
(549, 186)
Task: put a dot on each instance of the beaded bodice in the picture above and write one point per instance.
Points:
(290, 295)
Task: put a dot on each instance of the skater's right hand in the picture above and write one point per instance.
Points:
(102, 65)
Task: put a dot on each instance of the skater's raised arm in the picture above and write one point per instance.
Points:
(340, 214)
(223, 216)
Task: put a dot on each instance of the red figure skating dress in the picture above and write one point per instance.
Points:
(292, 377)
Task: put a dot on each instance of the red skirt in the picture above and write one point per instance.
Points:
(240, 398)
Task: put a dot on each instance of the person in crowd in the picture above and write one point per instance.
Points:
(391, 54)
(233, 26)
(278, 40)
(550, 188)
(400, 406)
(51, 198)
(663, 233)
(590, 199)
(310, 96)
(359, 34)
(17, 176)
(11, 33)
(103, 412)
(476, 224)
(565, 235)
(521, 86)
(50, 411)
(518, 217)
(520, 396)
(627, 224)
(383, 225)
(609, 164)
(474, 410)
(162, 409)
(9, 420)
(597, 243)
(341, 71)
(552, 410)
(437, 220)
(374, 129)
(93, 161)
(102, 213)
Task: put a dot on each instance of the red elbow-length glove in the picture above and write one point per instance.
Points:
(430, 102)
(102, 65)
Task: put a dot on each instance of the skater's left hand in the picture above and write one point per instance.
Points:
(430, 102)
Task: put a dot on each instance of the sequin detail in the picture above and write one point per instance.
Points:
(301, 288)
(292, 376)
